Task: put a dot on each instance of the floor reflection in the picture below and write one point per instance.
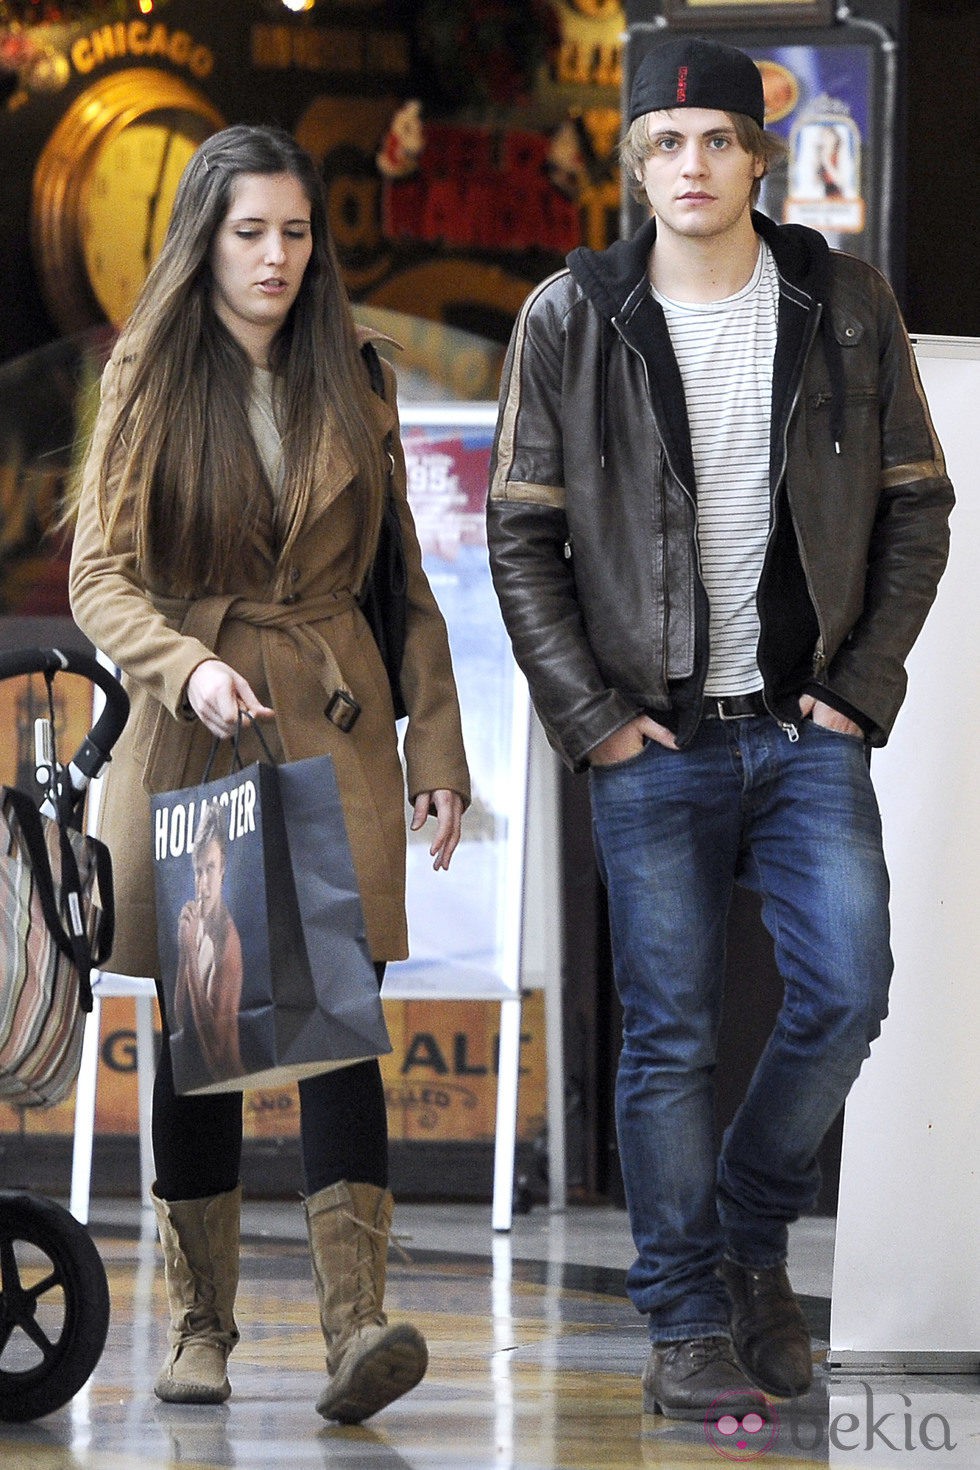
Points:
(536, 1357)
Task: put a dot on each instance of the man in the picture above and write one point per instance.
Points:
(209, 967)
(717, 519)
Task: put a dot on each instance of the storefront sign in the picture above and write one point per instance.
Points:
(144, 42)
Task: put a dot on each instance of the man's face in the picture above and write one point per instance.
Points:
(209, 871)
(697, 177)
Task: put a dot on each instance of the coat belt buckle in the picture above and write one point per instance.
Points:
(342, 710)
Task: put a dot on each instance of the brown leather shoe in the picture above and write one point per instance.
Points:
(685, 1379)
(770, 1335)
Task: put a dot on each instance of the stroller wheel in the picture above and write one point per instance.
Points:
(54, 1306)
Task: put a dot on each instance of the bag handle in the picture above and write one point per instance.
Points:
(376, 373)
(383, 598)
(96, 953)
(237, 764)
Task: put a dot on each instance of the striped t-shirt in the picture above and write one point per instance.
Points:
(724, 350)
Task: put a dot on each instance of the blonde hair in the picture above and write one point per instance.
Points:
(179, 455)
(634, 150)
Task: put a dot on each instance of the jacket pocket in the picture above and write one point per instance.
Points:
(861, 432)
(821, 400)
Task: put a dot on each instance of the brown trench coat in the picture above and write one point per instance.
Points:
(292, 639)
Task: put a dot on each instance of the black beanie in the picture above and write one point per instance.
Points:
(689, 72)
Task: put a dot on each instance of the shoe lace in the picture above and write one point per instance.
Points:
(385, 1236)
(701, 1351)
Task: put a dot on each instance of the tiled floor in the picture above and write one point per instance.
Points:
(535, 1361)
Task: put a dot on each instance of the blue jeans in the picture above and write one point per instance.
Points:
(674, 830)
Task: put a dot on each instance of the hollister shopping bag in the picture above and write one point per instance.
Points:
(263, 953)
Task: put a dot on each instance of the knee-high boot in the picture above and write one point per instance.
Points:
(200, 1239)
(369, 1363)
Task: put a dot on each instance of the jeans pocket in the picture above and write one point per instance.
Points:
(611, 767)
(859, 738)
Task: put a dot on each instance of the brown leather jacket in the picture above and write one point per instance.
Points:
(593, 503)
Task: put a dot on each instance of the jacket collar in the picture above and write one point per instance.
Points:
(610, 277)
(615, 280)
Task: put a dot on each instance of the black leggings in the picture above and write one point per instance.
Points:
(197, 1141)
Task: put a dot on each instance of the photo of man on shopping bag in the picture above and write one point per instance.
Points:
(209, 954)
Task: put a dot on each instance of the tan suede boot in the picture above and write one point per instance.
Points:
(200, 1256)
(369, 1363)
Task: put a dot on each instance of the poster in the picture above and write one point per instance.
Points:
(819, 100)
(461, 922)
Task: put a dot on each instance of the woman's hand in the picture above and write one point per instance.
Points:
(216, 694)
(448, 806)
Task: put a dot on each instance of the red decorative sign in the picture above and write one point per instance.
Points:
(483, 189)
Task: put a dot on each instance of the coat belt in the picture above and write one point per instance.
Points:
(202, 618)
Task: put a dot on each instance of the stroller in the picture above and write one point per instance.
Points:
(54, 1296)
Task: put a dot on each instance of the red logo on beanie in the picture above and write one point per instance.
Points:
(682, 84)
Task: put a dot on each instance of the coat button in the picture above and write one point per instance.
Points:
(290, 598)
(294, 574)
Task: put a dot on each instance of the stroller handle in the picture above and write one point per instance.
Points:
(93, 753)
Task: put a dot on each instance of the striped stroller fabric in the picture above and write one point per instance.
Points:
(53, 927)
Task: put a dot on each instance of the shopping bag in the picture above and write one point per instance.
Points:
(56, 922)
(264, 963)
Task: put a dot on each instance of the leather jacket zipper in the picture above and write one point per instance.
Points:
(693, 502)
(663, 447)
(664, 654)
(790, 729)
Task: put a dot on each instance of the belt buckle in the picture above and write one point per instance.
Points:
(342, 710)
(723, 714)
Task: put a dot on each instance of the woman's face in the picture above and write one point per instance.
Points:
(258, 258)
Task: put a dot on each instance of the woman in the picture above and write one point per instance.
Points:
(227, 516)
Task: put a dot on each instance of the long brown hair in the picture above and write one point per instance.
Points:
(179, 457)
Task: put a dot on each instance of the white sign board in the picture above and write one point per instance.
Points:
(906, 1292)
(490, 928)
(465, 925)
